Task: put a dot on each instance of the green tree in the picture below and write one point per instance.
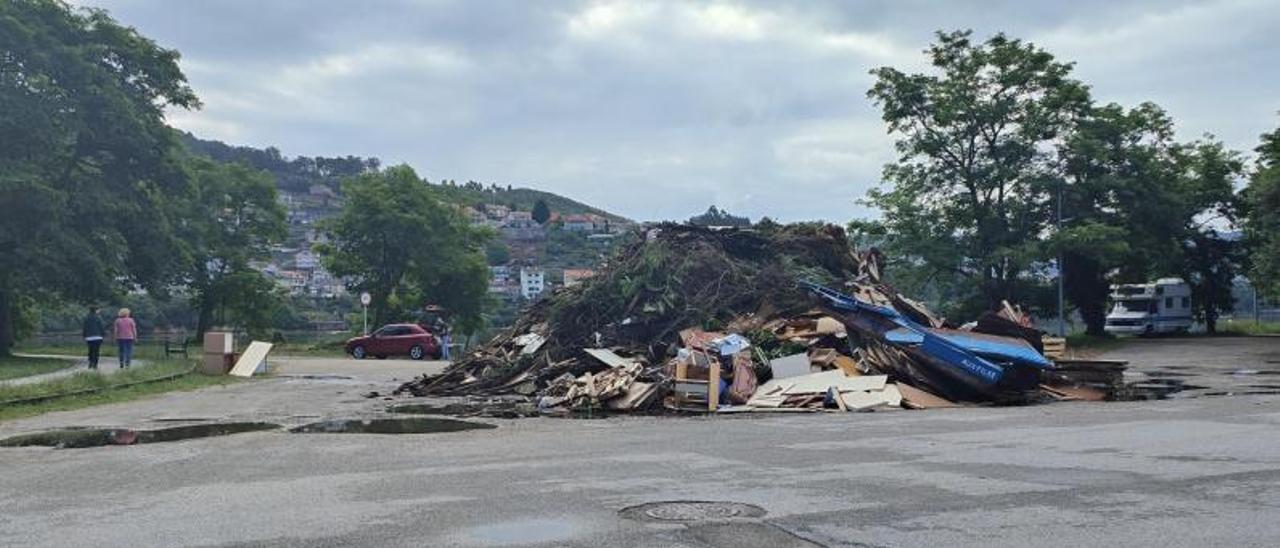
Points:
(1117, 168)
(541, 213)
(231, 219)
(967, 198)
(1262, 223)
(86, 163)
(715, 216)
(397, 240)
(1208, 204)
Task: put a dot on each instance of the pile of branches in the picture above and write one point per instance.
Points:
(672, 277)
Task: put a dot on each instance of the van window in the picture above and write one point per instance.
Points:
(1168, 302)
(1186, 302)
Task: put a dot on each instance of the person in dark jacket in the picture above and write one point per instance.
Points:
(93, 331)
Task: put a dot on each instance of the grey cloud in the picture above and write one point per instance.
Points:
(658, 109)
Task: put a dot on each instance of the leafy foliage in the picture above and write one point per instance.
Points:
(1262, 226)
(230, 218)
(400, 241)
(715, 216)
(85, 158)
(967, 197)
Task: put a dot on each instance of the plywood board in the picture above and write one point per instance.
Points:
(607, 357)
(794, 365)
(251, 359)
(916, 398)
(820, 382)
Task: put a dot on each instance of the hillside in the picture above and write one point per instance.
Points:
(299, 173)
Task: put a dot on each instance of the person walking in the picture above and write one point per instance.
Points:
(126, 332)
(93, 331)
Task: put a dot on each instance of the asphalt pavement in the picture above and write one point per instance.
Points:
(1201, 471)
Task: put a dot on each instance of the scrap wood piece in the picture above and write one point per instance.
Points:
(823, 357)
(917, 398)
(697, 339)
(634, 397)
(794, 365)
(251, 359)
(1074, 393)
(820, 382)
(607, 357)
(861, 400)
(847, 366)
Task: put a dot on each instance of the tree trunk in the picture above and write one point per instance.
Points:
(7, 328)
(1087, 288)
(204, 319)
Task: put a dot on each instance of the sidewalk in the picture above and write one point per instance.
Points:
(76, 364)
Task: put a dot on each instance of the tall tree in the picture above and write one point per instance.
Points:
(972, 143)
(1209, 208)
(397, 240)
(1262, 223)
(85, 158)
(1118, 195)
(541, 213)
(231, 217)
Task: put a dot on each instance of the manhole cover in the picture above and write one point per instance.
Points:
(685, 511)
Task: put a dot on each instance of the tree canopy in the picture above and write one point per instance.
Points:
(231, 218)
(715, 216)
(969, 186)
(396, 239)
(86, 162)
(1262, 206)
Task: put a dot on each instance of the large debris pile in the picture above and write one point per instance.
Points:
(741, 320)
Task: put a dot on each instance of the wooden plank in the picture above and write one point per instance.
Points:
(819, 382)
(251, 359)
(847, 366)
(916, 398)
(607, 357)
(713, 388)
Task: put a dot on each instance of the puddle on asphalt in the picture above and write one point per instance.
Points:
(390, 426)
(318, 377)
(525, 531)
(1156, 388)
(77, 438)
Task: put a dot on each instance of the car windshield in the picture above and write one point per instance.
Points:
(1132, 305)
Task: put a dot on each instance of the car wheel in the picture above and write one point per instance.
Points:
(381, 356)
(358, 353)
(416, 352)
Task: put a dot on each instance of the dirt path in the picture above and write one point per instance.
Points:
(76, 364)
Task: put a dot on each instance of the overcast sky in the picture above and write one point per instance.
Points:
(659, 109)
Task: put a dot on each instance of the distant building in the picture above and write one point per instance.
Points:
(532, 282)
(574, 276)
(522, 230)
(579, 223)
(519, 216)
(294, 281)
(306, 260)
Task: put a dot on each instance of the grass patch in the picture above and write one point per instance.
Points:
(1248, 327)
(13, 367)
(70, 392)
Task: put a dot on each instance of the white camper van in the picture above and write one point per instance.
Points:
(1143, 309)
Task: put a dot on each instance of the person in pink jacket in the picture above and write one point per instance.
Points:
(126, 331)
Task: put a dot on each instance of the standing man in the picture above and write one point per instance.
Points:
(93, 331)
(126, 331)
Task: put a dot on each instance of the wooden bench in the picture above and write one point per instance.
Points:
(171, 348)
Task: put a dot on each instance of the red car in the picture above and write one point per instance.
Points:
(397, 339)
